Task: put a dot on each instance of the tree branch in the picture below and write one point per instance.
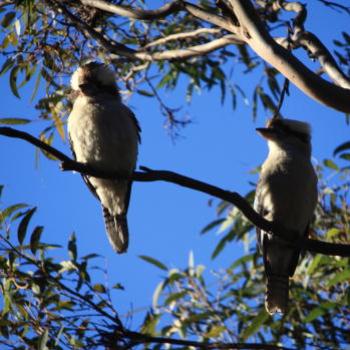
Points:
(136, 13)
(319, 51)
(162, 12)
(181, 36)
(312, 43)
(136, 337)
(147, 175)
(258, 38)
(122, 50)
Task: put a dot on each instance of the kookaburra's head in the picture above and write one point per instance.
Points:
(287, 134)
(93, 79)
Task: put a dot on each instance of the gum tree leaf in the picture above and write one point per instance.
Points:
(13, 81)
(256, 324)
(344, 146)
(72, 247)
(35, 238)
(14, 121)
(154, 262)
(23, 225)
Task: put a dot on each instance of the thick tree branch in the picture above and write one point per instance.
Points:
(319, 51)
(121, 50)
(312, 44)
(144, 339)
(258, 38)
(162, 12)
(148, 175)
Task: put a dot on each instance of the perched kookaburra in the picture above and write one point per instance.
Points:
(287, 195)
(104, 134)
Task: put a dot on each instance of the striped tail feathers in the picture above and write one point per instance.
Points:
(277, 290)
(117, 231)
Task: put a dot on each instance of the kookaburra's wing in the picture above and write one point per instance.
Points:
(85, 178)
(259, 208)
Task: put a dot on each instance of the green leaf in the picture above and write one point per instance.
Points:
(13, 81)
(150, 324)
(257, 322)
(332, 233)
(10, 210)
(316, 260)
(118, 286)
(36, 86)
(220, 246)
(174, 297)
(156, 294)
(35, 238)
(14, 121)
(330, 164)
(8, 18)
(59, 334)
(154, 262)
(58, 121)
(344, 146)
(215, 331)
(99, 288)
(145, 93)
(319, 311)
(72, 247)
(345, 156)
(7, 303)
(6, 66)
(339, 277)
(18, 27)
(211, 225)
(242, 260)
(23, 225)
(43, 340)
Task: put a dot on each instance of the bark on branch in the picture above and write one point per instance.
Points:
(115, 48)
(148, 175)
(250, 30)
(259, 39)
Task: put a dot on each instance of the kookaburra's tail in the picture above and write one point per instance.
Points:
(117, 231)
(277, 294)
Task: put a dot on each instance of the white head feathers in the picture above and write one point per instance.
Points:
(93, 71)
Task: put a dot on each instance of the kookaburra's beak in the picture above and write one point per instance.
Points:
(267, 133)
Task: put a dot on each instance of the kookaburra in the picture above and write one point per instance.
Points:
(104, 134)
(287, 195)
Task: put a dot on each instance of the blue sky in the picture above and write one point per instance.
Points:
(219, 147)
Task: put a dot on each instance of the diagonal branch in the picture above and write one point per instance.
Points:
(119, 49)
(144, 339)
(258, 38)
(312, 43)
(147, 175)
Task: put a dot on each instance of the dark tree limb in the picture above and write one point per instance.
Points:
(139, 338)
(148, 175)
